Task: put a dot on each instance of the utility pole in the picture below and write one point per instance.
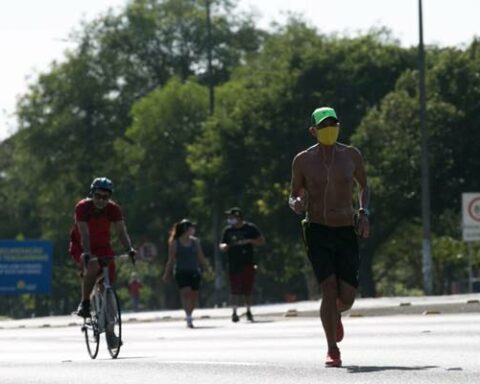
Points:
(211, 89)
(211, 110)
(426, 242)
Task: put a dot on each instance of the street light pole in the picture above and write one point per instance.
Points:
(426, 242)
(211, 110)
(211, 90)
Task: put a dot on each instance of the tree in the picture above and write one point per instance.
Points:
(389, 136)
(154, 154)
(72, 115)
(256, 129)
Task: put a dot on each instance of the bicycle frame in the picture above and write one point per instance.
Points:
(99, 299)
(105, 313)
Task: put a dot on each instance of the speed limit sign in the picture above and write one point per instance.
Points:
(147, 251)
(471, 216)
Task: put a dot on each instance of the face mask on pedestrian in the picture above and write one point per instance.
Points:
(328, 135)
(232, 221)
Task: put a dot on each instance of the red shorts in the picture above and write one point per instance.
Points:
(241, 282)
(111, 267)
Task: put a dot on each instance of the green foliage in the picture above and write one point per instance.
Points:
(73, 118)
(260, 116)
(389, 137)
(153, 155)
(131, 102)
(398, 266)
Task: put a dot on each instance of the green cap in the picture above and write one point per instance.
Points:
(322, 113)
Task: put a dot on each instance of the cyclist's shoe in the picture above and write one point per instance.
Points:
(340, 332)
(249, 316)
(333, 358)
(235, 317)
(84, 309)
(112, 340)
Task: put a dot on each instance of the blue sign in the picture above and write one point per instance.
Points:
(25, 267)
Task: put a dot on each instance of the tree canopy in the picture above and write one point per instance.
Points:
(131, 102)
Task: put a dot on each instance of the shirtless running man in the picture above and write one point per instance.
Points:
(322, 186)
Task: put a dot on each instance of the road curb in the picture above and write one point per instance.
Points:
(362, 308)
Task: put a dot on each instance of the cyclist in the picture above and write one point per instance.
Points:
(90, 239)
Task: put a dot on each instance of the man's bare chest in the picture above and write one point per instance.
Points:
(339, 170)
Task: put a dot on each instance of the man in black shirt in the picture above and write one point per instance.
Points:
(238, 240)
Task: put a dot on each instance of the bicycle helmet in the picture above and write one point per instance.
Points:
(101, 183)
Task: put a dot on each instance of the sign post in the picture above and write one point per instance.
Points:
(470, 227)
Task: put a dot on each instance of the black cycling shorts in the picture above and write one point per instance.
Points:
(332, 251)
(186, 279)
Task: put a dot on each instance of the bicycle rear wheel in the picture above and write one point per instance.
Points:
(113, 331)
(92, 336)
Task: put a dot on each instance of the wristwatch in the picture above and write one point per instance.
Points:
(365, 211)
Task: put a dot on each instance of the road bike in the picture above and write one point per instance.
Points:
(105, 314)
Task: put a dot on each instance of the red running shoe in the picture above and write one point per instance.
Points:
(333, 358)
(339, 329)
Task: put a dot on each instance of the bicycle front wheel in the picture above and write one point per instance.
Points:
(92, 336)
(113, 329)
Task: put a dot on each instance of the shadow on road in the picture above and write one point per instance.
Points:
(130, 358)
(367, 369)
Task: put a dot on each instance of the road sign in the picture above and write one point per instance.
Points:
(147, 251)
(471, 216)
(25, 267)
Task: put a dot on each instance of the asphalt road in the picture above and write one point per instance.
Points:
(441, 348)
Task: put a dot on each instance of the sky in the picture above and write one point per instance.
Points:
(34, 33)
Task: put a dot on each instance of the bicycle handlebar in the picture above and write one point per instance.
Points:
(87, 257)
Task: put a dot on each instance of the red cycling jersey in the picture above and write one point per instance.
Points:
(99, 221)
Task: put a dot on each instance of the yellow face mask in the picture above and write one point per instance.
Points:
(328, 135)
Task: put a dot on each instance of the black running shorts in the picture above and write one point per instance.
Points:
(332, 251)
(186, 279)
